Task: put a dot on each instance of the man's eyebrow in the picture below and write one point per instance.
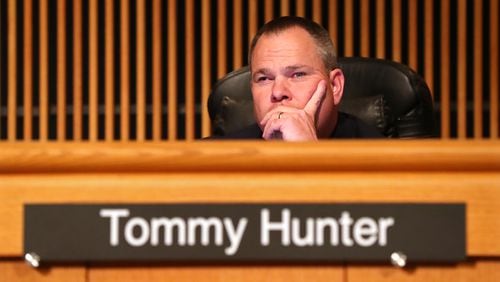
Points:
(263, 70)
(294, 67)
(287, 69)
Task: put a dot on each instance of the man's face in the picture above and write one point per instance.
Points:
(286, 70)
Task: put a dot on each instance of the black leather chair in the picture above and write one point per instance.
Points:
(385, 94)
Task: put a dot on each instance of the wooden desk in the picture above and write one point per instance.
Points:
(220, 172)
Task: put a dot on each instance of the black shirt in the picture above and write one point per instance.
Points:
(347, 127)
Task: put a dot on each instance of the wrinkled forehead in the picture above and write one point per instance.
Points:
(292, 42)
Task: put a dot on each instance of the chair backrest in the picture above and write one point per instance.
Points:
(385, 94)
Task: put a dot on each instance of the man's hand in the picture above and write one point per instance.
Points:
(292, 124)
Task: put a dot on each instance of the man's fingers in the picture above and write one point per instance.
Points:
(272, 130)
(313, 104)
(274, 113)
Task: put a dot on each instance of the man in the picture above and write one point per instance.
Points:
(296, 85)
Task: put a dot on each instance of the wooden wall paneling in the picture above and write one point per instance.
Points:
(190, 75)
(140, 74)
(77, 70)
(221, 38)
(413, 34)
(19, 271)
(93, 70)
(11, 70)
(237, 37)
(301, 8)
(44, 70)
(333, 23)
(124, 70)
(365, 28)
(479, 38)
(172, 70)
(157, 71)
(331, 273)
(445, 69)
(380, 29)
(478, 69)
(462, 70)
(349, 29)
(284, 7)
(109, 70)
(494, 75)
(396, 30)
(429, 44)
(61, 70)
(206, 65)
(28, 70)
(316, 11)
(448, 171)
(477, 270)
(268, 10)
(480, 191)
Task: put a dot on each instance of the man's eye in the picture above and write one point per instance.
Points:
(298, 74)
(262, 78)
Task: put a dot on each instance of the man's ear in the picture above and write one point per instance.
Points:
(337, 83)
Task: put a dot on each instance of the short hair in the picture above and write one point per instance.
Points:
(318, 33)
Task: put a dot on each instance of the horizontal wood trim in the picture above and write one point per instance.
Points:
(326, 156)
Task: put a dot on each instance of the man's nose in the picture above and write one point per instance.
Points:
(280, 90)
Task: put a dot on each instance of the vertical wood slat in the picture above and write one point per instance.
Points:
(77, 70)
(252, 20)
(461, 69)
(172, 70)
(380, 38)
(237, 38)
(412, 52)
(109, 70)
(316, 11)
(44, 70)
(300, 8)
(494, 91)
(28, 69)
(61, 70)
(93, 70)
(124, 70)
(478, 69)
(445, 69)
(205, 66)
(332, 22)
(140, 75)
(221, 38)
(285, 7)
(365, 28)
(349, 29)
(413, 34)
(157, 73)
(429, 42)
(268, 10)
(396, 30)
(12, 70)
(190, 75)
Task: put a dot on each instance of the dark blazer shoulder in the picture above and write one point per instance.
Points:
(349, 126)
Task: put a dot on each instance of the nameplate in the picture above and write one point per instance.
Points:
(245, 233)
